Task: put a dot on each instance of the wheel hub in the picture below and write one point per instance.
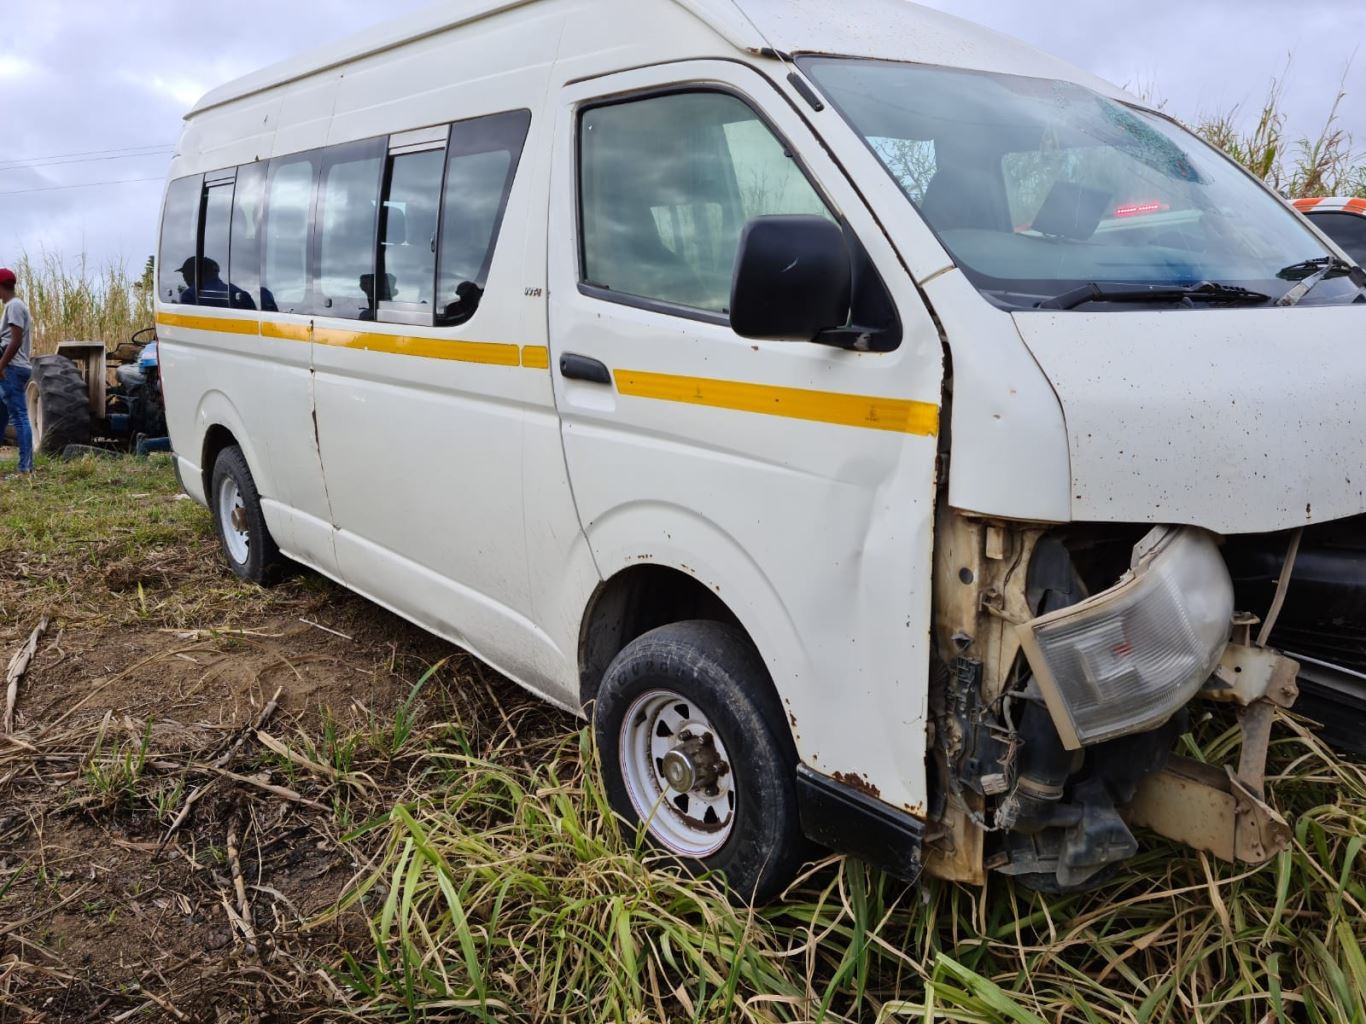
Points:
(239, 520)
(678, 773)
(694, 765)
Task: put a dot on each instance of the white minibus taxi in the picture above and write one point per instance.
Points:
(859, 414)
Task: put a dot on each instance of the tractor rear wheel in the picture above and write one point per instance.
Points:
(58, 405)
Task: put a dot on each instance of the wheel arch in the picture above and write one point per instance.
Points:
(221, 427)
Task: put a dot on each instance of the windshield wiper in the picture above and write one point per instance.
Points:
(1209, 291)
(1311, 273)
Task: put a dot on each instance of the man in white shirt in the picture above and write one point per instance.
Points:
(16, 345)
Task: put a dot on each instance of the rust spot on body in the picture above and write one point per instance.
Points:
(858, 782)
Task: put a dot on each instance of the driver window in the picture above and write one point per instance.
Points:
(668, 184)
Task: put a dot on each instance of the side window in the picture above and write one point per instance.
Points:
(212, 287)
(667, 185)
(289, 208)
(1347, 229)
(244, 262)
(179, 239)
(482, 159)
(408, 230)
(348, 209)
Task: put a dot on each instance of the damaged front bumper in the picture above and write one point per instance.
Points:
(1219, 810)
(1132, 657)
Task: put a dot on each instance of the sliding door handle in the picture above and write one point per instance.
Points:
(576, 367)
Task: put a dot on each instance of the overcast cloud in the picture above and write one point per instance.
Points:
(78, 76)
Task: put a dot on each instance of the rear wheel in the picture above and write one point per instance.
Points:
(693, 744)
(240, 523)
(58, 405)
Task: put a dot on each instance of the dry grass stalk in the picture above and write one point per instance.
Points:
(239, 884)
(17, 667)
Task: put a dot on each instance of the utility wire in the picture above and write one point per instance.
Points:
(86, 160)
(85, 152)
(88, 184)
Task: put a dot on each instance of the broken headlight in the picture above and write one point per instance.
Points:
(1128, 659)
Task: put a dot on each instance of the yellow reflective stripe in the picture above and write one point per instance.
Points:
(486, 352)
(223, 325)
(286, 332)
(536, 357)
(892, 414)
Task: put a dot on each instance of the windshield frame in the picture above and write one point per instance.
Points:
(1021, 295)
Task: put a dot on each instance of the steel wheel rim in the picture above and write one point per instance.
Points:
(232, 518)
(692, 823)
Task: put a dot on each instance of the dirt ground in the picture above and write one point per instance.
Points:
(149, 693)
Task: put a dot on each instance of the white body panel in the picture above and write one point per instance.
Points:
(775, 514)
(1239, 421)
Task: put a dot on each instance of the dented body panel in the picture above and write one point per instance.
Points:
(1237, 421)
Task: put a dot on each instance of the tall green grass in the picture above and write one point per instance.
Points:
(75, 301)
(505, 894)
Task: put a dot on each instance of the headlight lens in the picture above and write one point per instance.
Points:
(1126, 660)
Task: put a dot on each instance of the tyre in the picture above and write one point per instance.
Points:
(239, 522)
(58, 405)
(693, 742)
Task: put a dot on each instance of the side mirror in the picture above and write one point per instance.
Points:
(793, 279)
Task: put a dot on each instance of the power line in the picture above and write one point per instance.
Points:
(88, 184)
(85, 152)
(16, 166)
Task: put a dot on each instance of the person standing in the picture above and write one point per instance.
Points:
(16, 343)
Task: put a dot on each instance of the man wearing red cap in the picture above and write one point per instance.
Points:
(16, 341)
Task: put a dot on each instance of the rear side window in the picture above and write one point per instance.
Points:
(348, 210)
(408, 230)
(482, 159)
(244, 264)
(179, 240)
(1347, 229)
(284, 276)
(667, 186)
(211, 288)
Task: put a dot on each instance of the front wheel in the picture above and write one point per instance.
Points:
(693, 744)
(240, 523)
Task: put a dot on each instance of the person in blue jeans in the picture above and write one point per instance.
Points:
(16, 368)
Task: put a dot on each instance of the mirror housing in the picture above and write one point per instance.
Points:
(793, 279)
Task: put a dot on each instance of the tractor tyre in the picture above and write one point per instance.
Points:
(58, 405)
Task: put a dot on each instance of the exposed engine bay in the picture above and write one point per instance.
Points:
(1067, 658)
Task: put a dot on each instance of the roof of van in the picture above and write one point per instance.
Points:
(884, 29)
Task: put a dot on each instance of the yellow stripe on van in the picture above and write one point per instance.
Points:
(286, 332)
(891, 414)
(536, 357)
(486, 352)
(208, 323)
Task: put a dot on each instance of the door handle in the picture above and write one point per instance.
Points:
(576, 367)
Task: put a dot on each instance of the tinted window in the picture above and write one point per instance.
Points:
(1347, 229)
(179, 239)
(289, 209)
(348, 201)
(482, 161)
(408, 229)
(212, 287)
(668, 184)
(245, 260)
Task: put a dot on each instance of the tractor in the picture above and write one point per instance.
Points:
(87, 397)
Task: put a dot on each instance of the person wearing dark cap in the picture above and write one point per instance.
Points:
(204, 286)
(16, 343)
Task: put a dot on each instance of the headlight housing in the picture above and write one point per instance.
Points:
(1128, 659)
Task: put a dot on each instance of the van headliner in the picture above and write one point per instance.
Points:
(879, 29)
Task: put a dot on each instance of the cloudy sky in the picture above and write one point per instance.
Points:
(93, 92)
